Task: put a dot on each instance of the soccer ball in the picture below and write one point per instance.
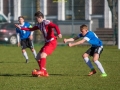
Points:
(34, 73)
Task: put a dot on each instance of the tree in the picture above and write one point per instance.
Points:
(113, 7)
(37, 35)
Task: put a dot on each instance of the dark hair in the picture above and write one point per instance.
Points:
(83, 26)
(21, 17)
(39, 14)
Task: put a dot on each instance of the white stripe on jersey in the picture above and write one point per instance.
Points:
(42, 28)
(50, 40)
(86, 38)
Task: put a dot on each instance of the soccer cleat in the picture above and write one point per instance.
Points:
(42, 73)
(45, 74)
(27, 61)
(103, 75)
(39, 73)
(92, 72)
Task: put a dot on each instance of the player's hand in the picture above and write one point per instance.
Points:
(70, 44)
(65, 40)
(60, 35)
(17, 26)
(18, 44)
(31, 37)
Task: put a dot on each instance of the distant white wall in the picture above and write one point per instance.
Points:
(17, 9)
(43, 7)
(107, 16)
(61, 10)
(88, 12)
(1, 6)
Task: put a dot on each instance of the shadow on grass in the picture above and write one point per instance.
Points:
(57, 74)
(64, 75)
(11, 62)
(1, 62)
(17, 62)
(30, 75)
(27, 75)
(16, 75)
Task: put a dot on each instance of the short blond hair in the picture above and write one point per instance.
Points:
(21, 17)
(83, 27)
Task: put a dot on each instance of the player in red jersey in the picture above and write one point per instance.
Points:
(46, 27)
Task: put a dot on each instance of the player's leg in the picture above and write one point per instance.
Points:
(25, 55)
(98, 64)
(34, 52)
(31, 46)
(23, 46)
(41, 59)
(46, 50)
(88, 62)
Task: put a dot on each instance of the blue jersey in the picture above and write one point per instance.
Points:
(92, 39)
(24, 34)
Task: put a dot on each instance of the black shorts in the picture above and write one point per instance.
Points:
(26, 43)
(91, 51)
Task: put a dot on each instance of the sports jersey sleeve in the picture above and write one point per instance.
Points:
(92, 38)
(18, 37)
(17, 30)
(30, 29)
(87, 38)
(30, 26)
(52, 25)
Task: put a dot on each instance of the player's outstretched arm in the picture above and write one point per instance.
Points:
(27, 29)
(76, 43)
(68, 40)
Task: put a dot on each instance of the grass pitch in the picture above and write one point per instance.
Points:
(66, 67)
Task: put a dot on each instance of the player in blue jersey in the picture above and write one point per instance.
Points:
(25, 38)
(95, 50)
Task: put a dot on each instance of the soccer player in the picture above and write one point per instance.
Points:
(46, 27)
(95, 50)
(25, 38)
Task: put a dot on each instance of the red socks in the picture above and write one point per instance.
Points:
(42, 63)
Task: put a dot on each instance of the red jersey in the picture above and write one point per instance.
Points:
(46, 27)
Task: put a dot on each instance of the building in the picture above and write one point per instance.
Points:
(68, 14)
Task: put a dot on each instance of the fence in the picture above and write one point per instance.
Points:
(99, 15)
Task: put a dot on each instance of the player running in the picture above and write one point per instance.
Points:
(46, 27)
(95, 50)
(25, 38)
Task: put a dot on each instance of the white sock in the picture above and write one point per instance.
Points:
(88, 62)
(99, 65)
(25, 55)
(34, 53)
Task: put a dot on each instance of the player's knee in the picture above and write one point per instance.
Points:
(43, 55)
(94, 60)
(32, 50)
(23, 50)
(84, 55)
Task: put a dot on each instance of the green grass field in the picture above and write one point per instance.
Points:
(66, 67)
